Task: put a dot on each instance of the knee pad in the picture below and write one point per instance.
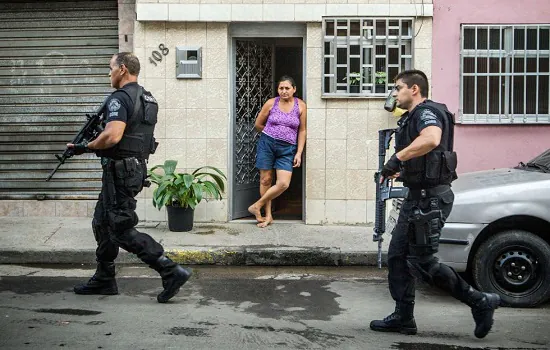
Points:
(121, 220)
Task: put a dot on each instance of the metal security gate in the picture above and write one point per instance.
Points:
(54, 64)
(253, 87)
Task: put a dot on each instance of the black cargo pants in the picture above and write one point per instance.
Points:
(115, 216)
(406, 260)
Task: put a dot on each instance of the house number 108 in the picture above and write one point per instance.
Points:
(157, 56)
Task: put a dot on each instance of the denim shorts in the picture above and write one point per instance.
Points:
(274, 154)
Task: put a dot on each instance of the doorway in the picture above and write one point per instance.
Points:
(258, 64)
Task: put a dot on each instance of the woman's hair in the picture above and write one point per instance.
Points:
(287, 78)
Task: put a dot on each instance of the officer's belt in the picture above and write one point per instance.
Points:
(428, 192)
(109, 162)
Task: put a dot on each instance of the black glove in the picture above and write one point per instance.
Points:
(392, 167)
(82, 147)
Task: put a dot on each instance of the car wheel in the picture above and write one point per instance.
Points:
(516, 265)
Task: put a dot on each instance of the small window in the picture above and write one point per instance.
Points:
(362, 56)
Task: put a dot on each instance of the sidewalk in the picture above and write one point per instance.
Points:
(46, 240)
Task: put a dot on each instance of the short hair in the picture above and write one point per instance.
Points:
(129, 60)
(415, 76)
(287, 78)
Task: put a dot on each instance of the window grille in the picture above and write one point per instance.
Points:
(505, 74)
(361, 56)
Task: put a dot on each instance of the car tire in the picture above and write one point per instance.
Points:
(516, 265)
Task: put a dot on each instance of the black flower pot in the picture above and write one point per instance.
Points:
(354, 89)
(180, 219)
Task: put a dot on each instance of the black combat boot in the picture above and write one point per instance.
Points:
(173, 277)
(401, 320)
(483, 307)
(102, 282)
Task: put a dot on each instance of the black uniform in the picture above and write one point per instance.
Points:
(124, 174)
(415, 238)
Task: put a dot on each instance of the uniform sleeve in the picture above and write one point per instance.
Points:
(427, 118)
(118, 107)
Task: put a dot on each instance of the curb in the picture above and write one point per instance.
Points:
(229, 256)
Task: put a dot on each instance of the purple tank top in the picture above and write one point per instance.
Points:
(283, 126)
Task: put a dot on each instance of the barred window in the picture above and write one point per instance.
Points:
(362, 56)
(505, 74)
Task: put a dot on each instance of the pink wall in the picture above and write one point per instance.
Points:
(487, 146)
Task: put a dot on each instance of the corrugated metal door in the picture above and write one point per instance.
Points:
(54, 64)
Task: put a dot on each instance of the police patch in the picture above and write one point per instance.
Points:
(114, 105)
(428, 117)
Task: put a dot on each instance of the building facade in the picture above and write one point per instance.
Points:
(491, 68)
(212, 65)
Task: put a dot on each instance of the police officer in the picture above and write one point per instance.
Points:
(425, 162)
(124, 146)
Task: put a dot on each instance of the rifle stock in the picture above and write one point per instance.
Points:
(384, 191)
(88, 132)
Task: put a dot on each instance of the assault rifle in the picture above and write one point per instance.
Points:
(384, 191)
(88, 132)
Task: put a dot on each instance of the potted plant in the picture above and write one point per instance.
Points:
(182, 192)
(354, 82)
(380, 81)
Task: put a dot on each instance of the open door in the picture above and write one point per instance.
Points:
(254, 65)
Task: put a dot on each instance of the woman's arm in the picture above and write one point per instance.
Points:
(302, 133)
(261, 119)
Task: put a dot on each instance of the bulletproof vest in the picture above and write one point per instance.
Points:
(138, 140)
(438, 167)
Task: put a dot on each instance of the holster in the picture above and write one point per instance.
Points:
(426, 229)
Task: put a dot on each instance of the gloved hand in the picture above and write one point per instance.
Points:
(392, 167)
(80, 148)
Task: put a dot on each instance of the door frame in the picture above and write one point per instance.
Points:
(260, 30)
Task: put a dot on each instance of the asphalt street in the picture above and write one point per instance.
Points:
(242, 308)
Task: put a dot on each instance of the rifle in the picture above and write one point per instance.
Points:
(384, 191)
(88, 132)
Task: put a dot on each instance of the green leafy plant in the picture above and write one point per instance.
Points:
(354, 78)
(380, 77)
(184, 189)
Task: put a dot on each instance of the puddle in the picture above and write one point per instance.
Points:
(310, 335)
(74, 312)
(188, 332)
(266, 299)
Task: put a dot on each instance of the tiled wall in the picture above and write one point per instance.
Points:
(274, 10)
(342, 146)
(194, 116)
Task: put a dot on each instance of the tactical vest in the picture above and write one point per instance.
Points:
(438, 167)
(138, 140)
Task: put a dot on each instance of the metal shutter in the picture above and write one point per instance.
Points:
(54, 65)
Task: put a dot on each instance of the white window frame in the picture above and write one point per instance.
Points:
(367, 39)
(505, 74)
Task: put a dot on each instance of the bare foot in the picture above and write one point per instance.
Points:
(256, 212)
(268, 221)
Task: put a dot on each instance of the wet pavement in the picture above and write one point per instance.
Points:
(242, 308)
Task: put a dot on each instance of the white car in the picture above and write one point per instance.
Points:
(498, 231)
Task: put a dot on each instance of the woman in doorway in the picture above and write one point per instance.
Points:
(282, 123)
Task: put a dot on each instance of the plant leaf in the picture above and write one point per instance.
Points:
(170, 166)
(197, 189)
(188, 179)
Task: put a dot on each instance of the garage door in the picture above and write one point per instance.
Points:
(54, 64)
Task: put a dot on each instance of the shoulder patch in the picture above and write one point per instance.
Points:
(114, 105)
(428, 117)
(149, 98)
